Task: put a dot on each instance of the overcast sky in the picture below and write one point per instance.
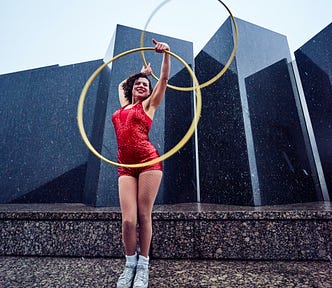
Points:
(37, 33)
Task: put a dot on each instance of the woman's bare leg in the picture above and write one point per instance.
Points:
(148, 186)
(128, 204)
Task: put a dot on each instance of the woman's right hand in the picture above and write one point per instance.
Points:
(160, 47)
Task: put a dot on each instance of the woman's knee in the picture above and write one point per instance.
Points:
(144, 218)
(129, 223)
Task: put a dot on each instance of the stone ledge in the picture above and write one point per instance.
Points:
(183, 231)
(187, 211)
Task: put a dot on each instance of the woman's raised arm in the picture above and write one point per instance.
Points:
(122, 98)
(158, 92)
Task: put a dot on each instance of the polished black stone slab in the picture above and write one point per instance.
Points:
(171, 122)
(43, 159)
(284, 171)
(223, 161)
(244, 161)
(250, 152)
(314, 62)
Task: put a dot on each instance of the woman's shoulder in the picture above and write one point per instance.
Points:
(117, 111)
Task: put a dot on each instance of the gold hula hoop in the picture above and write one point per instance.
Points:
(172, 151)
(213, 79)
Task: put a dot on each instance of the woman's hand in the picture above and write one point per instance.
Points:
(147, 69)
(160, 47)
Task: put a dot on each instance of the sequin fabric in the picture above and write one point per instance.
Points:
(132, 126)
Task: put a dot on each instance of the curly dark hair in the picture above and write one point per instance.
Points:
(129, 84)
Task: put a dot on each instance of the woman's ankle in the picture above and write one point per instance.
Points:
(131, 259)
(143, 260)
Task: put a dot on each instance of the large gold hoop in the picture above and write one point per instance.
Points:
(172, 151)
(213, 79)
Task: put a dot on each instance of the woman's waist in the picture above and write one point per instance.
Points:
(137, 153)
(134, 145)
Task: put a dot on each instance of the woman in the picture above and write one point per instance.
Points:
(138, 187)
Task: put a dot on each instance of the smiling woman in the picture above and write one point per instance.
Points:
(138, 81)
(132, 123)
(138, 187)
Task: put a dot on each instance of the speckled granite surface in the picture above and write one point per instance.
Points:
(23, 272)
(187, 211)
(183, 231)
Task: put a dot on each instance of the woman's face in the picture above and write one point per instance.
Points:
(141, 88)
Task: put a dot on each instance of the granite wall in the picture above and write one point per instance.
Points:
(188, 231)
(253, 143)
(284, 161)
(249, 152)
(43, 158)
(314, 62)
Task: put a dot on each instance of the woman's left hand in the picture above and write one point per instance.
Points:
(160, 47)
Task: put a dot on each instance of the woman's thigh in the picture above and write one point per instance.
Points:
(148, 186)
(128, 197)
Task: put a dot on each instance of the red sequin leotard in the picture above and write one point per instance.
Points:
(132, 126)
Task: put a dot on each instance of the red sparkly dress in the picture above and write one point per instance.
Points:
(132, 126)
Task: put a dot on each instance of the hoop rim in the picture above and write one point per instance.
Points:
(217, 76)
(166, 155)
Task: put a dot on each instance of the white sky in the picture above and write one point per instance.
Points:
(37, 33)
